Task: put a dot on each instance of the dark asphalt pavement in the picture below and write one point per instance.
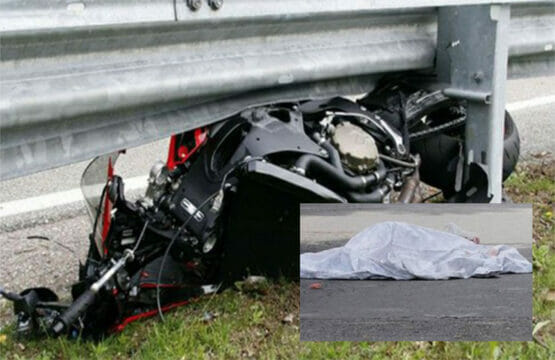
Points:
(380, 310)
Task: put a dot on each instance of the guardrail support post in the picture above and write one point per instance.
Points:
(472, 55)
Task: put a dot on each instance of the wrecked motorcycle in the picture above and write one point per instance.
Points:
(226, 202)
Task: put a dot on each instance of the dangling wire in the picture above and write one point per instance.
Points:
(141, 236)
(182, 227)
(432, 196)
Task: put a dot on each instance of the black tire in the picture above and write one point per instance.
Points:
(511, 146)
(439, 156)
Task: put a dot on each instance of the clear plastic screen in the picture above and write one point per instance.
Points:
(93, 180)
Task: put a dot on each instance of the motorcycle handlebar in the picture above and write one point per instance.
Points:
(79, 306)
(73, 312)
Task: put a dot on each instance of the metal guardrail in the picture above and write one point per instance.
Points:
(82, 79)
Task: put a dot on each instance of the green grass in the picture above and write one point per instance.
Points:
(249, 325)
(244, 325)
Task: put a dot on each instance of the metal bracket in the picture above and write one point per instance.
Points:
(472, 55)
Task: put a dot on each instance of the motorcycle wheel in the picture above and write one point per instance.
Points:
(441, 152)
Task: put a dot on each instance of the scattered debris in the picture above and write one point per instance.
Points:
(209, 316)
(253, 284)
(538, 338)
(540, 325)
(288, 319)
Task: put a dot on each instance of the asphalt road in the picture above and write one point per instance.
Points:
(52, 263)
(451, 310)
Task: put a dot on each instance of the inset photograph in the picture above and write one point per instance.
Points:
(449, 272)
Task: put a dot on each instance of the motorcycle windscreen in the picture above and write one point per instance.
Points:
(93, 182)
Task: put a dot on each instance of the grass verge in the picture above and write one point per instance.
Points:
(229, 325)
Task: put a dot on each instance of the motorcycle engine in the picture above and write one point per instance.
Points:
(357, 148)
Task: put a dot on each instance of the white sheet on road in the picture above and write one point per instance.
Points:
(403, 251)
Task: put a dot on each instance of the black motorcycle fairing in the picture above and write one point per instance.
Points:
(275, 130)
(254, 134)
(299, 186)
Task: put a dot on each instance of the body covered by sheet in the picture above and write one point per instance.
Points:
(404, 251)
